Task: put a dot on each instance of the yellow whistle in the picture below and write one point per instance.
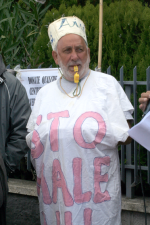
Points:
(76, 75)
(76, 78)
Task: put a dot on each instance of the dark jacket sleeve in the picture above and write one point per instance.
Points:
(16, 146)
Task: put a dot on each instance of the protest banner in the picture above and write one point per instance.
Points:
(34, 79)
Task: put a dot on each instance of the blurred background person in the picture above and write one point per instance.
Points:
(14, 113)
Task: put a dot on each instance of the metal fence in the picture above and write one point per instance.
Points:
(129, 153)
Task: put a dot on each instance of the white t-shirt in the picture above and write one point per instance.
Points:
(73, 145)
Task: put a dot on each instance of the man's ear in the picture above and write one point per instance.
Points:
(55, 57)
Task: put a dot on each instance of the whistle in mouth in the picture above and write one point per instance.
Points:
(76, 75)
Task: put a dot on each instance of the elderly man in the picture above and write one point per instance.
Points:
(75, 127)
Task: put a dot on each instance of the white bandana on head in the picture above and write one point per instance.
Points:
(63, 26)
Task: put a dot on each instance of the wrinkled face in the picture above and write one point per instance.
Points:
(72, 51)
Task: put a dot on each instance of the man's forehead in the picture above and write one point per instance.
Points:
(71, 40)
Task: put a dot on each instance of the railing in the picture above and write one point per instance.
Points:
(129, 170)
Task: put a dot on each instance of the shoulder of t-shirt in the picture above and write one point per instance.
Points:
(106, 77)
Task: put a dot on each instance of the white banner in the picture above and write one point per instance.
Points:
(34, 79)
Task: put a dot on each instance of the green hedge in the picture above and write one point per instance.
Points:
(20, 24)
(126, 36)
(57, 3)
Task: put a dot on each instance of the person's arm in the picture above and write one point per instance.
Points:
(16, 146)
(143, 100)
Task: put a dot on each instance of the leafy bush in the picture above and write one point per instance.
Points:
(57, 3)
(126, 31)
(20, 23)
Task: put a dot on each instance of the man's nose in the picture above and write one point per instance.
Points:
(74, 55)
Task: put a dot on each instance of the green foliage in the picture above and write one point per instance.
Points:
(125, 40)
(126, 36)
(20, 22)
(57, 3)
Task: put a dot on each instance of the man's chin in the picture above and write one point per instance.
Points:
(69, 74)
